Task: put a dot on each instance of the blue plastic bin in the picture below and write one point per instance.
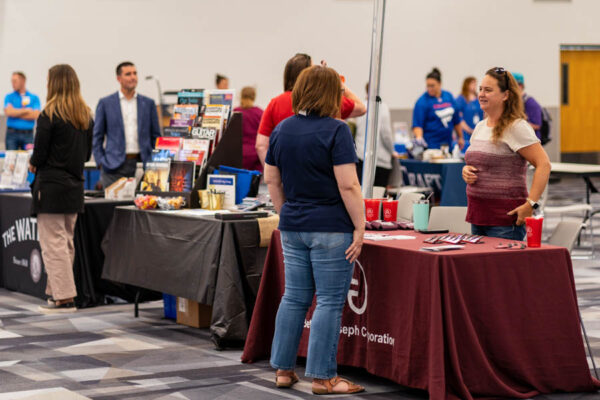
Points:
(243, 180)
(170, 306)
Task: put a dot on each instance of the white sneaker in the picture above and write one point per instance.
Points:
(57, 309)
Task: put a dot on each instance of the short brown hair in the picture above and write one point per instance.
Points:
(292, 70)
(248, 96)
(21, 74)
(318, 90)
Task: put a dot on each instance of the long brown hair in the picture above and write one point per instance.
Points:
(465, 87)
(64, 99)
(513, 106)
(318, 90)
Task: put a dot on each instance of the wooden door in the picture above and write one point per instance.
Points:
(580, 101)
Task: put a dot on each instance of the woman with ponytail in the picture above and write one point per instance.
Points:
(435, 115)
(501, 146)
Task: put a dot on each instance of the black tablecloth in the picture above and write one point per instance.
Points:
(210, 261)
(22, 264)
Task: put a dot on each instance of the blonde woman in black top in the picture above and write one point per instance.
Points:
(63, 143)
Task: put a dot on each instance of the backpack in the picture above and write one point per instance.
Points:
(545, 125)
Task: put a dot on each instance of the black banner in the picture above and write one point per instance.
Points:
(22, 264)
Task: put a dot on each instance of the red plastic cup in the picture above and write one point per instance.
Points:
(534, 231)
(372, 207)
(390, 210)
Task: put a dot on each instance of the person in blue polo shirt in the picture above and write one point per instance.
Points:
(435, 115)
(22, 109)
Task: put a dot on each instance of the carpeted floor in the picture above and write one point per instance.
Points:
(104, 353)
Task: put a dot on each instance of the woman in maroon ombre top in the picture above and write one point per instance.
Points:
(501, 146)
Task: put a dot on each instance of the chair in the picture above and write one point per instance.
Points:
(585, 209)
(378, 192)
(565, 234)
(451, 218)
(405, 205)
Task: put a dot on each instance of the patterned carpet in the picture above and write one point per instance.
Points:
(104, 353)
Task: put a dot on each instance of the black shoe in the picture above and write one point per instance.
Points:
(57, 309)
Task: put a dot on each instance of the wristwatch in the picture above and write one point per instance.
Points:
(534, 204)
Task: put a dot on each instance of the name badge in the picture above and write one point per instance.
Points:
(25, 101)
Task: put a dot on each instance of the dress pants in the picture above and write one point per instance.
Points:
(56, 240)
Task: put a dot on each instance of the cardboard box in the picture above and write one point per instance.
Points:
(193, 314)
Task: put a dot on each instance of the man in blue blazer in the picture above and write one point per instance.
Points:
(129, 123)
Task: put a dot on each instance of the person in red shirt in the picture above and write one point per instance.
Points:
(280, 107)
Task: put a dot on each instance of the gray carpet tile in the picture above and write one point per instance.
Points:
(104, 353)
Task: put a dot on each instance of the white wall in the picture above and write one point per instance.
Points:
(185, 42)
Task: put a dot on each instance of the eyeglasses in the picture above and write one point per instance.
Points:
(502, 71)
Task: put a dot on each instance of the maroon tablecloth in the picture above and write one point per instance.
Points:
(471, 323)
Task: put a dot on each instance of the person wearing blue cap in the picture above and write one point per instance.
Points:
(533, 110)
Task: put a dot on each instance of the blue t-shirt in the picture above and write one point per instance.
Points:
(305, 149)
(471, 113)
(18, 100)
(437, 117)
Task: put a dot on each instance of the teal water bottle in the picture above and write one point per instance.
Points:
(421, 214)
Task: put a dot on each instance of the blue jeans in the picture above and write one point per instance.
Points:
(513, 232)
(17, 139)
(314, 261)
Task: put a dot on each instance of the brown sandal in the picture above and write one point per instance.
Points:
(289, 377)
(330, 384)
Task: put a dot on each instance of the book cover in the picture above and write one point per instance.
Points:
(162, 155)
(220, 96)
(204, 133)
(191, 96)
(177, 131)
(198, 148)
(181, 176)
(185, 111)
(168, 143)
(156, 177)
(181, 122)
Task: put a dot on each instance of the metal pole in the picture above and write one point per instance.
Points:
(371, 134)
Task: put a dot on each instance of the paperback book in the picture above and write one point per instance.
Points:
(177, 131)
(185, 111)
(156, 177)
(191, 96)
(181, 176)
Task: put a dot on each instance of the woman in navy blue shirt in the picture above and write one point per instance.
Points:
(311, 173)
(435, 115)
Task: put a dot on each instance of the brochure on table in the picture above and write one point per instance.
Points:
(15, 170)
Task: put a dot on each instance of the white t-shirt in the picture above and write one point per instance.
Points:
(518, 135)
